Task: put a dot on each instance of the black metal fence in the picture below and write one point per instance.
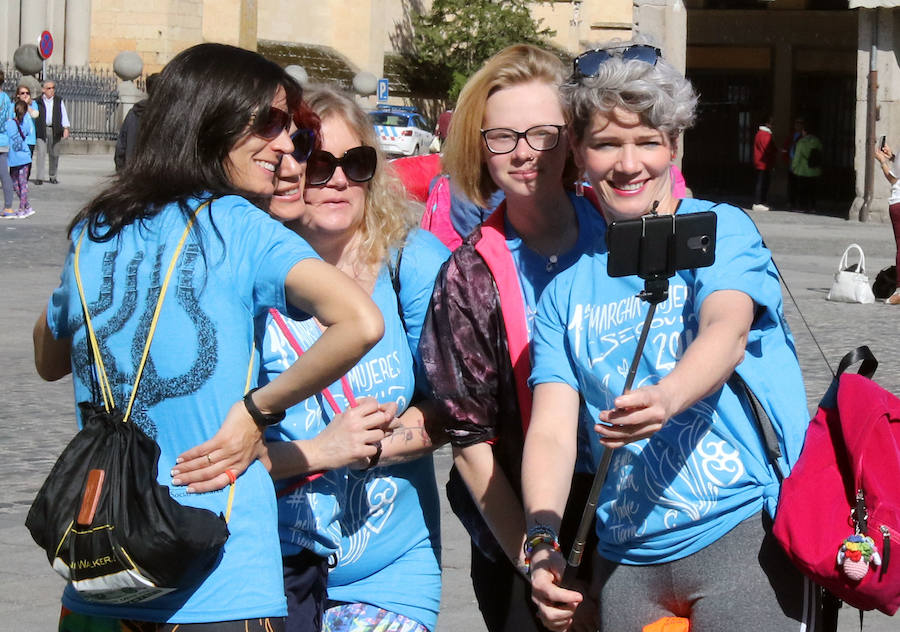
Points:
(91, 97)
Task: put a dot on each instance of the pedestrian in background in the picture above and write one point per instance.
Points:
(443, 126)
(889, 166)
(6, 113)
(807, 167)
(52, 128)
(763, 161)
(23, 93)
(18, 130)
(790, 144)
(127, 142)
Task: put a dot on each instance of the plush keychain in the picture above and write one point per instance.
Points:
(857, 552)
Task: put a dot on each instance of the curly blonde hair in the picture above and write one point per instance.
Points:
(388, 216)
(463, 158)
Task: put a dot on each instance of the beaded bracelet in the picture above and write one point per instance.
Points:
(538, 535)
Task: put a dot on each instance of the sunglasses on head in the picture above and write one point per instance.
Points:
(357, 163)
(270, 123)
(588, 64)
(304, 142)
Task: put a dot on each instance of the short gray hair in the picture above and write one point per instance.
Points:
(659, 94)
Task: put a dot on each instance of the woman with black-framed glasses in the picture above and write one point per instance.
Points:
(684, 517)
(370, 507)
(200, 163)
(509, 133)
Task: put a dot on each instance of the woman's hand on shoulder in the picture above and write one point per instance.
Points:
(233, 448)
(556, 605)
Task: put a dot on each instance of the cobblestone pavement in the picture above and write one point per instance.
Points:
(36, 417)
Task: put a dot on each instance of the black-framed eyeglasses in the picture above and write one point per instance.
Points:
(304, 141)
(270, 124)
(24, 92)
(358, 164)
(588, 64)
(502, 140)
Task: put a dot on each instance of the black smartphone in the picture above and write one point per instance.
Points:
(883, 142)
(658, 245)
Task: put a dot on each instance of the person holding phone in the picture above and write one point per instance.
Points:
(888, 161)
(684, 516)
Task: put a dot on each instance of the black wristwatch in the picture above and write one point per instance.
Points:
(261, 418)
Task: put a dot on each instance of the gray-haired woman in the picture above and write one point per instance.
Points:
(684, 514)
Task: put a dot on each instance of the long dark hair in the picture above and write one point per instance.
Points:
(201, 106)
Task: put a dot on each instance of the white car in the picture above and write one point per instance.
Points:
(401, 132)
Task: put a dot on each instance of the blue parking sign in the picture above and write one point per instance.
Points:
(382, 89)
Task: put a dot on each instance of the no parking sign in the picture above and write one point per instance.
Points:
(45, 46)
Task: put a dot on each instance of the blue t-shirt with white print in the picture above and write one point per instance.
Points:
(535, 271)
(706, 470)
(197, 369)
(382, 524)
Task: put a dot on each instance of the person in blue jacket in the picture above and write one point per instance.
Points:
(18, 129)
(373, 512)
(684, 516)
(6, 113)
(23, 93)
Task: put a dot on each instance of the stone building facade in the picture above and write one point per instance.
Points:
(748, 58)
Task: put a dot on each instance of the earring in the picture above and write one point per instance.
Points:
(579, 188)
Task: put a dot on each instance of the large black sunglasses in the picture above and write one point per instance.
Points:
(588, 64)
(304, 142)
(358, 164)
(270, 123)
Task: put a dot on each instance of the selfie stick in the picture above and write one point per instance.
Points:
(656, 290)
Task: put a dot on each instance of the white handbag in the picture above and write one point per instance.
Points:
(851, 284)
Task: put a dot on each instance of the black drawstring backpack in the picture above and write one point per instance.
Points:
(105, 523)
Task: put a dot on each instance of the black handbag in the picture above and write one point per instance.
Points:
(105, 523)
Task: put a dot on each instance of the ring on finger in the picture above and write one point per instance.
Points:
(209, 459)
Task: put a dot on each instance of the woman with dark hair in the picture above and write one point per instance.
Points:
(684, 517)
(236, 263)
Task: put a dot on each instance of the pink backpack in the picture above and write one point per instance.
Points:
(839, 512)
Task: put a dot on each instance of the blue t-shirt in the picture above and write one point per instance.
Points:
(197, 369)
(535, 271)
(706, 470)
(382, 524)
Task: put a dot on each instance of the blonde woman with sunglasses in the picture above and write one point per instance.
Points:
(353, 467)
(684, 517)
